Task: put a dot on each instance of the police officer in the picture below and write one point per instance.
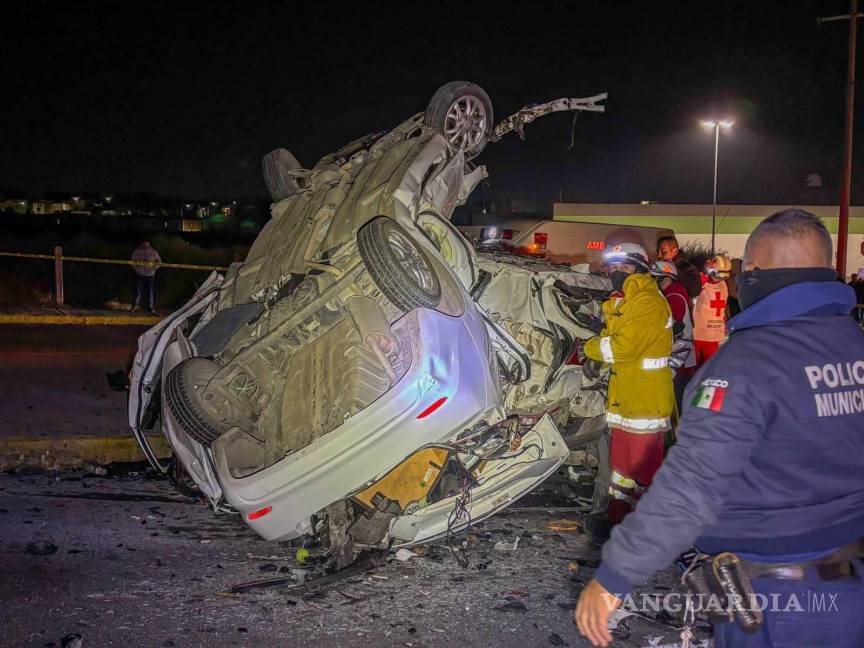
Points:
(769, 463)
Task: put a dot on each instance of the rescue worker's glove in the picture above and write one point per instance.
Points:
(593, 324)
(591, 369)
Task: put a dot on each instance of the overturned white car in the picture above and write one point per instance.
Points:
(362, 377)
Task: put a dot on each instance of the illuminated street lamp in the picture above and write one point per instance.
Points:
(715, 124)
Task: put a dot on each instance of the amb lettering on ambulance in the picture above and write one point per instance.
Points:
(837, 403)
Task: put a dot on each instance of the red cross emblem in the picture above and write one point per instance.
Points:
(718, 303)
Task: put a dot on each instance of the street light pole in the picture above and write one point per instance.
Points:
(716, 124)
(714, 201)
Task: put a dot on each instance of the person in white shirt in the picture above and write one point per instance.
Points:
(145, 275)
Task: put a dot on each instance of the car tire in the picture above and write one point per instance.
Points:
(442, 114)
(276, 166)
(184, 387)
(398, 265)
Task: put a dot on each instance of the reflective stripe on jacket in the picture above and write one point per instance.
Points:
(770, 445)
(636, 341)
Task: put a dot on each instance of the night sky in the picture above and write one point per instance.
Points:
(183, 98)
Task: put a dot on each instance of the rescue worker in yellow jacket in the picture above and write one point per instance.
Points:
(636, 343)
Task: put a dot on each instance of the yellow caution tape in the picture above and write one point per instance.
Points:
(97, 320)
(148, 264)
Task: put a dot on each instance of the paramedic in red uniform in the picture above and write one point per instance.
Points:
(709, 314)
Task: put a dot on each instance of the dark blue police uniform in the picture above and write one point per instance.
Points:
(769, 465)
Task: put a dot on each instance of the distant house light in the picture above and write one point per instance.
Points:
(814, 180)
(647, 202)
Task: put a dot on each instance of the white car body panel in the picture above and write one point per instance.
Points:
(451, 363)
(147, 366)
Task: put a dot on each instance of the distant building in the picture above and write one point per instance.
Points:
(191, 225)
(82, 204)
(692, 223)
(15, 206)
(50, 206)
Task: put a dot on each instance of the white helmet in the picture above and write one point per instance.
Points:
(719, 266)
(628, 253)
(664, 269)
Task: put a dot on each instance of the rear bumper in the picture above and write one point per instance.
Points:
(502, 482)
(451, 361)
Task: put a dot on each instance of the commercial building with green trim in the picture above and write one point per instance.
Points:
(692, 223)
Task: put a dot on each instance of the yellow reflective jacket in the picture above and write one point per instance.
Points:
(637, 341)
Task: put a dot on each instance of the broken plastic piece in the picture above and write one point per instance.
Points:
(507, 546)
(512, 606)
(299, 576)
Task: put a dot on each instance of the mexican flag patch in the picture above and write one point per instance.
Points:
(710, 394)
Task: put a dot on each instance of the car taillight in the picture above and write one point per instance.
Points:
(431, 409)
(507, 235)
(259, 513)
(540, 239)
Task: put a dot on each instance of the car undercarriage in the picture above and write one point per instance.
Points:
(364, 378)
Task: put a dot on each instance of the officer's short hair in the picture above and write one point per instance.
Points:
(800, 223)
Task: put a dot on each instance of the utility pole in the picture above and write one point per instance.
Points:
(846, 186)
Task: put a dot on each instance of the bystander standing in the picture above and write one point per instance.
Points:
(145, 276)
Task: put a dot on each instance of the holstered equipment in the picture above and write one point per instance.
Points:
(725, 580)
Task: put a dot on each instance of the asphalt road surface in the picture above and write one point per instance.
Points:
(52, 379)
(128, 561)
